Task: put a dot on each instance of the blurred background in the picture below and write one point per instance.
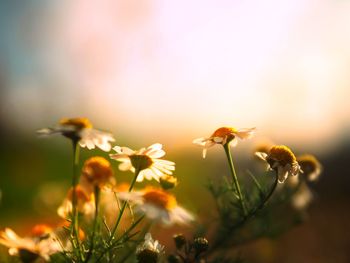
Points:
(169, 72)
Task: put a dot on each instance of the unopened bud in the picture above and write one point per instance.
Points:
(179, 240)
(200, 244)
(168, 182)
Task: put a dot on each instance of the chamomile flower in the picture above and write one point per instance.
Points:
(81, 129)
(40, 244)
(158, 205)
(281, 159)
(96, 172)
(149, 251)
(311, 167)
(85, 203)
(145, 160)
(222, 136)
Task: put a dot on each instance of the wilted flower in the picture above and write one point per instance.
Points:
(158, 204)
(149, 251)
(81, 129)
(85, 203)
(222, 136)
(302, 198)
(42, 243)
(310, 166)
(281, 159)
(145, 160)
(97, 172)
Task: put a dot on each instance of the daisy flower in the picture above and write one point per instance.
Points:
(145, 160)
(158, 205)
(311, 167)
(81, 129)
(282, 160)
(85, 203)
(222, 136)
(96, 172)
(149, 251)
(41, 243)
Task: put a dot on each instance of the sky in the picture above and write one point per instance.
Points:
(177, 70)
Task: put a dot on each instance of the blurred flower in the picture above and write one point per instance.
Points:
(222, 136)
(149, 251)
(200, 244)
(81, 129)
(97, 171)
(311, 167)
(281, 159)
(145, 160)
(85, 203)
(158, 204)
(302, 198)
(42, 243)
(168, 181)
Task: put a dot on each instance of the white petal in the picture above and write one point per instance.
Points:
(261, 155)
(125, 166)
(204, 153)
(282, 174)
(200, 141)
(156, 154)
(245, 133)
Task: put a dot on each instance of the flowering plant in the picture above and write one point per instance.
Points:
(105, 220)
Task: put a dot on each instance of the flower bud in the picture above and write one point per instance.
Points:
(168, 181)
(200, 244)
(147, 256)
(179, 240)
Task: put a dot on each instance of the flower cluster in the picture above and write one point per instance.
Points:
(95, 194)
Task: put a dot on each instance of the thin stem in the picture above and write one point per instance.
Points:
(251, 214)
(234, 177)
(97, 201)
(121, 212)
(75, 222)
(133, 248)
(123, 238)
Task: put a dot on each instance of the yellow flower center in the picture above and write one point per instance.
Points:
(40, 230)
(79, 123)
(97, 170)
(282, 154)
(160, 198)
(308, 163)
(227, 133)
(141, 162)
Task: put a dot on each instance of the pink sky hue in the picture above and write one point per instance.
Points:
(175, 70)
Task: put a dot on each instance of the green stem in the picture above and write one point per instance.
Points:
(75, 222)
(133, 248)
(251, 214)
(121, 212)
(124, 238)
(234, 178)
(97, 201)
